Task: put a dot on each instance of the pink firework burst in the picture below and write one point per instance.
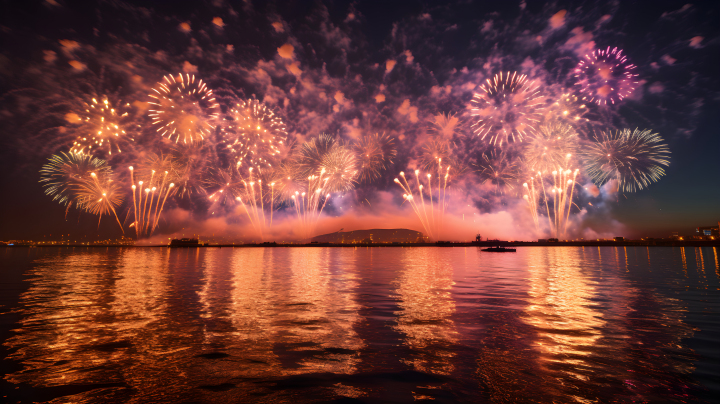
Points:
(507, 109)
(605, 76)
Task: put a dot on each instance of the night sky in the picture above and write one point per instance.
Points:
(352, 68)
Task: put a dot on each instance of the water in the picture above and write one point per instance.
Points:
(296, 325)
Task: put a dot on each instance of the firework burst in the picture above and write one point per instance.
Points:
(507, 109)
(309, 158)
(65, 172)
(550, 147)
(499, 169)
(435, 153)
(445, 126)
(255, 135)
(634, 158)
(222, 185)
(101, 127)
(188, 164)
(605, 76)
(569, 108)
(374, 153)
(184, 108)
(100, 195)
(339, 166)
(286, 178)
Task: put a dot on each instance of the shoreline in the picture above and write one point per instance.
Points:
(442, 244)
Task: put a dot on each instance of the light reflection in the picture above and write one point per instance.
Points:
(206, 325)
(561, 307)
(426, 305)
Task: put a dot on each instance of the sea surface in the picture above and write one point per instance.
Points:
(375, 325)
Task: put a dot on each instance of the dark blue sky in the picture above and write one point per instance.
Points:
(423, 58)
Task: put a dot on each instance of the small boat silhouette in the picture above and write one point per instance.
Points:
(499, 249)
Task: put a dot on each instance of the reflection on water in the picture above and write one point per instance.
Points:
(426, 306)
(374, 324)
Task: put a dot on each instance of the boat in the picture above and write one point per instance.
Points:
(499, 249)
(185, 242)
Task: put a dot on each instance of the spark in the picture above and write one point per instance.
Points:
(255, 135)
(549, 147)
(507, 109)
(101, 128)
(64, 173)
(605, 76)
(183, 108)
(634, 158)
(374, 154)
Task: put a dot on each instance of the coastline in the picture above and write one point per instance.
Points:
(441, 244)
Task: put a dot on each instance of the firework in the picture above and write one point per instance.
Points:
(507, 109)
(101, 128)
(339, 169)
(254, 136)
(374, 153)
(222, 185)
(435, 153)
(445, 126)
(188, 164)
(310, 202)
(63, 175)
(549, 148)
(183, 109)
(257, 197)
(153, 187)
(569, 108)
(432, 213)
(287, 180)
(308, 159)
(100, 195)
(499, 169)
(605, 76)
(634, 158)
(555, 191)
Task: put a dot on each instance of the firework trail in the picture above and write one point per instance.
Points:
(254, 136)
(100, 195)
(65, 172)
(431, 212)
(499, 169)
(258, 199)
(183, 108)
(320, 167)
(374, 154)
(605, 76)
(507, 109)
(553, 190)
(310, 202)
(153, 187)
(635, 158)
(549, 148)
(101, 128)
(434, 152)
